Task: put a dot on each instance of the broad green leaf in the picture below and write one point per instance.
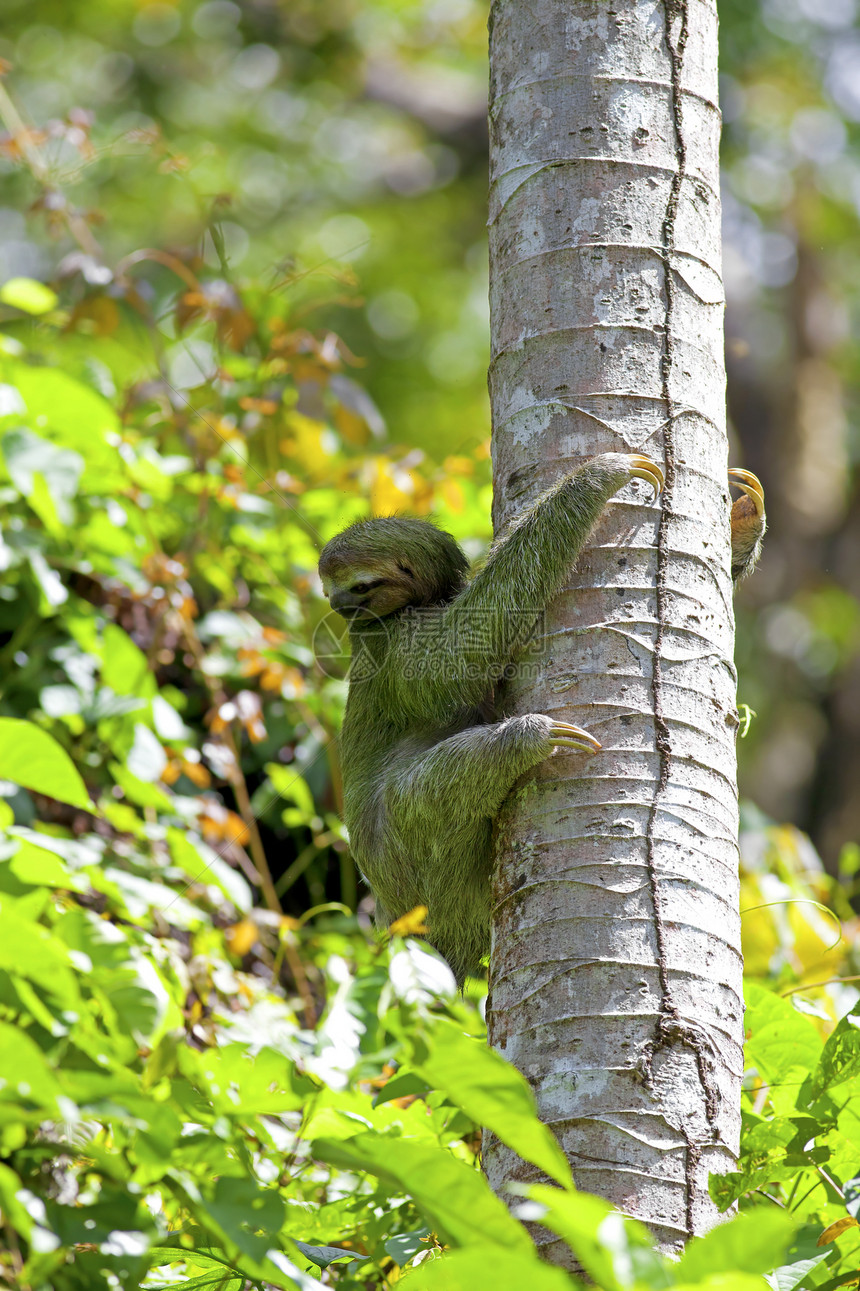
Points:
(146, 757)
(606, 1243)
(455, 1199)
(290, 787)
(25, 1074)
(486, 1268)
(735, 1281)
(11, 403)
(217, 1280)
(30, 458)
(840, 1059)
(780, 1040)
(401, 1086)
(202, 864)
(419, 975)
(31, 758)
(141, 896)
(28, 295)
(754, 1243)
(13, 1208)
(138, 791)
(275, 1269)
(248, 1214)
(60, 701)
(124, 665)
(76, 852)
(851, 1189)
(402, 1247)
(241, 1083)
(801, 1258)
(51, 588)
(323, 1256)
(168, 724)
(47, 508)
(39, 867)
(73, 414)
(491, 1092)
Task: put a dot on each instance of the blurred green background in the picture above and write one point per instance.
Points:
(334, 156)
(243, 300)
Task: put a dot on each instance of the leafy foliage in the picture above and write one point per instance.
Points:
(212, 1074)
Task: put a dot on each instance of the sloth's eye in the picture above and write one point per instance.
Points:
(367, 586)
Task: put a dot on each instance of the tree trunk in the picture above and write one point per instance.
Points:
(616, 966)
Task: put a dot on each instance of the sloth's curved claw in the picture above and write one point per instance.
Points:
(566, 736)
(642, 468)
(751, 485)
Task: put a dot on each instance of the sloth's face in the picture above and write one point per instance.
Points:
(369, 593)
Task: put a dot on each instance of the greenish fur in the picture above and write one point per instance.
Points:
(426, 762)
(425, 765)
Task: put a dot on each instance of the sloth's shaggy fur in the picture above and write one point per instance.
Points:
(427, 759)
(426, 765)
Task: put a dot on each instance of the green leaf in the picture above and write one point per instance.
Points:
(455, 1199)
(840, 1059)
(35, 464)
(402, 1247)
(240, 1083)
(401, 1086)
(604, 1241)
(25, 1076)
(249, 1215)
(74, 414)
(138, 791)
(217, 1280)
(780, 1040)
(39, 867)
(803, 1255)
(726, 1282)
(754, 1242)
(492, 1093)
(290, 787)
(13, 1208)
(28, 295)
(487, 1266)
(124, 666)
(203, 864)
(323, 1256)
(146, 757)
(31, 758)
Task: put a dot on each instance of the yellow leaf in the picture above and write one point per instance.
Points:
(306, 444)
(395, 488)
(353, 429)
(410, 924)
(458, 466)
(452, 492)
(241, 936)
(836, 1229)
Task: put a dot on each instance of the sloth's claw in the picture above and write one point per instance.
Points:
(751, 485)
(566, 736)
(642, 468)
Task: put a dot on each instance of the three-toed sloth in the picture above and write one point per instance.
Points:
(426, 762)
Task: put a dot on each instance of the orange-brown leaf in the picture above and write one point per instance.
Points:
(836, 1229)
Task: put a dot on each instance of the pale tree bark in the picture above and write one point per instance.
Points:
(616, 968)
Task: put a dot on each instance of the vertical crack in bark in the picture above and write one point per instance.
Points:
(671, 1027)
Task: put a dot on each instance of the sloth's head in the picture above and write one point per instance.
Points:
(376, 567)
